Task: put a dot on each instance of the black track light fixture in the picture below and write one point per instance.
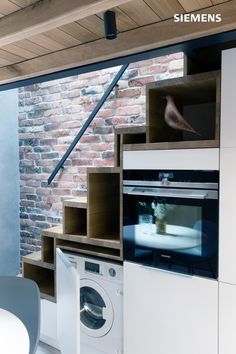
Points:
(110, 24)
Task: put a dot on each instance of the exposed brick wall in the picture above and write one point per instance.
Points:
(52, 113)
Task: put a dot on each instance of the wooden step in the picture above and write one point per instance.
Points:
(133, 129)
(54, 231)
(35, 258)
(78, 202)
(103, 170)
(128, 135)
(42, 273)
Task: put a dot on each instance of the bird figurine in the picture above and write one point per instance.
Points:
(174, 119)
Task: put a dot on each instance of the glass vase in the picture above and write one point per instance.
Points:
(161, 226)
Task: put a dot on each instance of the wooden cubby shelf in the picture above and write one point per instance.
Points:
(34, 268)
(104, 193)
(197, 97)
(75, 216)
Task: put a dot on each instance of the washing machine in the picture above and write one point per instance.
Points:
(101, 305)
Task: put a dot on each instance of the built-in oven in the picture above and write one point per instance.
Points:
(170, 220)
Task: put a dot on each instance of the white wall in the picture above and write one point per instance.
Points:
(9, 184)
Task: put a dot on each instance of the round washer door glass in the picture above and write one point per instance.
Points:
(96, 312)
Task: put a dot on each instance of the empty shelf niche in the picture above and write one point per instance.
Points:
(75, 221)
(42, 276)
(48, 249)
(104, 205)
(197, 98)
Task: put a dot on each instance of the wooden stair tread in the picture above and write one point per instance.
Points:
(35, 258)
(53, 231)
(78, 202)
(103, 170)
(134, 129)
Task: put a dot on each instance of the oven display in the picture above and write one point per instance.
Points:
(92, 267)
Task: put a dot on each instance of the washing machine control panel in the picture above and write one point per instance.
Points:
(91, 267)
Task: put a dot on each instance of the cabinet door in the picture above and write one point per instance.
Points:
(228, 97)
(68, 314)
(168, 313)
(227, 318)
(227, 237)
(48, 330)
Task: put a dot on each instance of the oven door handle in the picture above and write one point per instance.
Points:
(171, 193)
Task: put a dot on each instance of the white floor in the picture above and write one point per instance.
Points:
(45, 349)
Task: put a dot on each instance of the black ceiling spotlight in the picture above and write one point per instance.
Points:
(110, 24)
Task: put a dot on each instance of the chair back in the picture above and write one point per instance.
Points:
(21, 297)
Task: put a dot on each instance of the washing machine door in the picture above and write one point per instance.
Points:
(96, 311)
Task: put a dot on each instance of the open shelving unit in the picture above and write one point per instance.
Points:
(197, 97)
(90, 226)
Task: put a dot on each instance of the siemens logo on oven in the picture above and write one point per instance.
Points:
(197, 18)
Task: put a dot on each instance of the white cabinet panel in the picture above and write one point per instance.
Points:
(227, 234)
(184, 159)
(48, 332)
(227, 319)
(228, 99)
(168, 313)
(68, 314)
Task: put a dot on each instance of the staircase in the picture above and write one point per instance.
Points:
(91, 225)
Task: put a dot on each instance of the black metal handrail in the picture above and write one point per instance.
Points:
(87, 123)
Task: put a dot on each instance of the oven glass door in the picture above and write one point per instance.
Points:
(179, 234)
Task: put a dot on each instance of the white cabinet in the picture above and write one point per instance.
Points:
(227, 319)
(168, 313)
(228, 98)
(227, 235)
(175, 159)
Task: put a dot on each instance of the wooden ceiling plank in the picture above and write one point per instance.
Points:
(14, 49)
(94, 24)
(79, 32)
(134, 41)
(24, 3)
(62, 37)
(32, 47)
(46, 15)
(193, 5)
(165, 8)
(140, 12)
(46, 42)
(7, 7)
(10, 57)
(216, 2)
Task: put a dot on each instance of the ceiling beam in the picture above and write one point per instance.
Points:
(138, 40)
(48, 14)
